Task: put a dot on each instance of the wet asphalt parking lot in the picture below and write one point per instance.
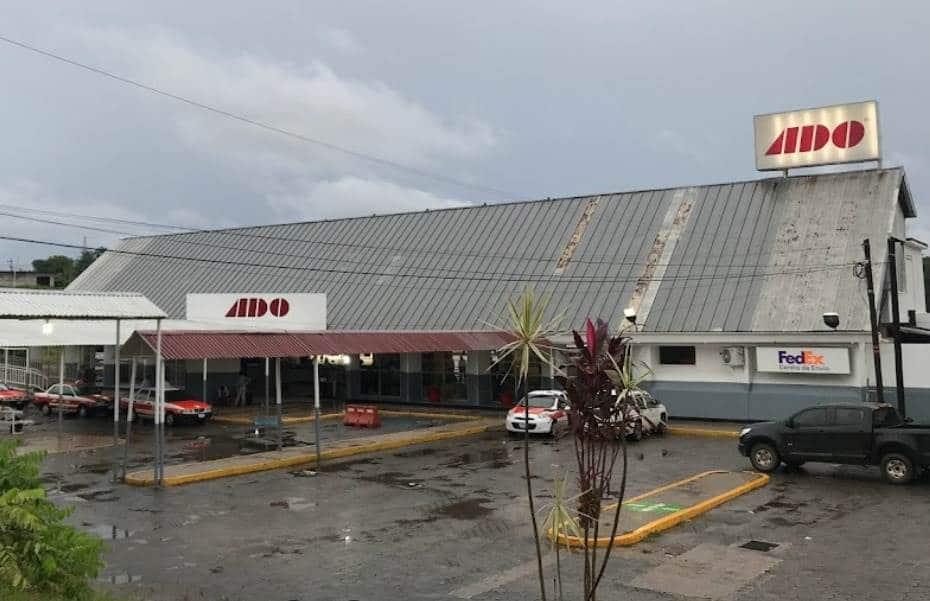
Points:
(449, 521)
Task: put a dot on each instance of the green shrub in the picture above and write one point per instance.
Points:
(38, 552)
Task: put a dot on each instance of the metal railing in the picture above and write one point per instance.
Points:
(19, 376)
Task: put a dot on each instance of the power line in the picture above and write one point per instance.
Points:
(260, 124)
(482, 278)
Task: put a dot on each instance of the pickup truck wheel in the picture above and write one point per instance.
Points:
(897, 468)
(764, 457)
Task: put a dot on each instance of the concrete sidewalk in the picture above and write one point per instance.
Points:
(188, 473)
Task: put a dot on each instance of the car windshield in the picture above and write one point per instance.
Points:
(539, 401)
(4, 386)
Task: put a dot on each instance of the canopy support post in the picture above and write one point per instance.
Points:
(116, 383)
(316, 406)
(205, 380)
(158, 418)
(277, 394)
(61, 392)
(129, 416)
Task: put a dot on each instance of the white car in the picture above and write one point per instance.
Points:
(547, 410)
(651, 416)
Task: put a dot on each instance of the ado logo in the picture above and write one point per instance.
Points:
(259, 307)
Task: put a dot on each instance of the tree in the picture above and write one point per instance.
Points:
(39, 553)
(64, 268)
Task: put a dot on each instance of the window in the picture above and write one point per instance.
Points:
(811, 418)
(676, 355)
(849, 417)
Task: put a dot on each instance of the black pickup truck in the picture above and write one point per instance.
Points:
(849, 433)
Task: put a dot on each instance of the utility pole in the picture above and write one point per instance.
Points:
(896, 323)
(873, 317)
(12, 273)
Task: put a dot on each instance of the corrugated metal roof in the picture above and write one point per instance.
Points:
(17, 303)
(763, 255)
(227, 345)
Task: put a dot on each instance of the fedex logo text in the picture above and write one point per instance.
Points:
(259, 307)
(804, 358)
(810, 138)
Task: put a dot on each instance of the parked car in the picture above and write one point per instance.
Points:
(547, 410)
(179, 406)
(847, 433)
(650, 417)
(82, 400)
(14, 397)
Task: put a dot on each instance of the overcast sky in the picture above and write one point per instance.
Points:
(533, 99)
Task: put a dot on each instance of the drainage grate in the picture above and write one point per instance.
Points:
(759, 545)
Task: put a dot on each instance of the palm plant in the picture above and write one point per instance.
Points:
(530, 331)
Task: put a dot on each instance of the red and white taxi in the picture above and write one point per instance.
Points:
(74, 398)
(547, 411)
(14, 397)
(179, 406)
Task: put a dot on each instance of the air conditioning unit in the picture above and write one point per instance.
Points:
(734, 356)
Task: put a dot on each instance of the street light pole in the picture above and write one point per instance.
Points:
(873, 318)
(896, 324)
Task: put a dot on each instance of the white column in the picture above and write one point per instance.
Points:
(277, 394)
(204, 399)
(61, 390)
(116, 383)
(316, 405)
(158, 407)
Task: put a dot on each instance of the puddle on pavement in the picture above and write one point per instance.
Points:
(498, 458)
(469, 509)
(69, 488)
(95, 468)
(417, 453)
(394, 479)
(99, 496)
(106, 531)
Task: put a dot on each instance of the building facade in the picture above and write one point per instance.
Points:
(721, 277)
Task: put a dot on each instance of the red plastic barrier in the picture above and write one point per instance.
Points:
(362, 416)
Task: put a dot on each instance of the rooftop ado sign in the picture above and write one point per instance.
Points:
(842, 133)
(259, 310)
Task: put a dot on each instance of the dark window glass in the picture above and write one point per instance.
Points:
(811, 418)
(849, 417)
(676, 355)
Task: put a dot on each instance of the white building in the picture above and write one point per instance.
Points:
(746, 267)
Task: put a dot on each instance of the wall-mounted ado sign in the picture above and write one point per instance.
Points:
(843, 133)
(803, 359)
(272, 310)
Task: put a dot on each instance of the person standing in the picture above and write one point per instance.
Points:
(242, 389)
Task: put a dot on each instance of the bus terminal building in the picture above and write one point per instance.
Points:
(729, 283)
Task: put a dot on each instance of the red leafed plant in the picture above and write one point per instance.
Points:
(599, 418)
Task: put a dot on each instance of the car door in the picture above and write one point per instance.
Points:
(805, 438)
(651, 410)
(849, 434)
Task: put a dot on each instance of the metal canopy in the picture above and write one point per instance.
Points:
(16, 303)
(234, 345)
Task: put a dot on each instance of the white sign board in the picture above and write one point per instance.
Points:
(259, 310)
(808, 360)
(843, 133)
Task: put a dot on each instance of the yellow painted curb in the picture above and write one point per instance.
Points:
(708, 432)
(146, 479)
(669, 521)
(247, 421)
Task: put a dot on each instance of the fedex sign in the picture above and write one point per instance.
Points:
(251, 310)
(815, 360)
(843, 133)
